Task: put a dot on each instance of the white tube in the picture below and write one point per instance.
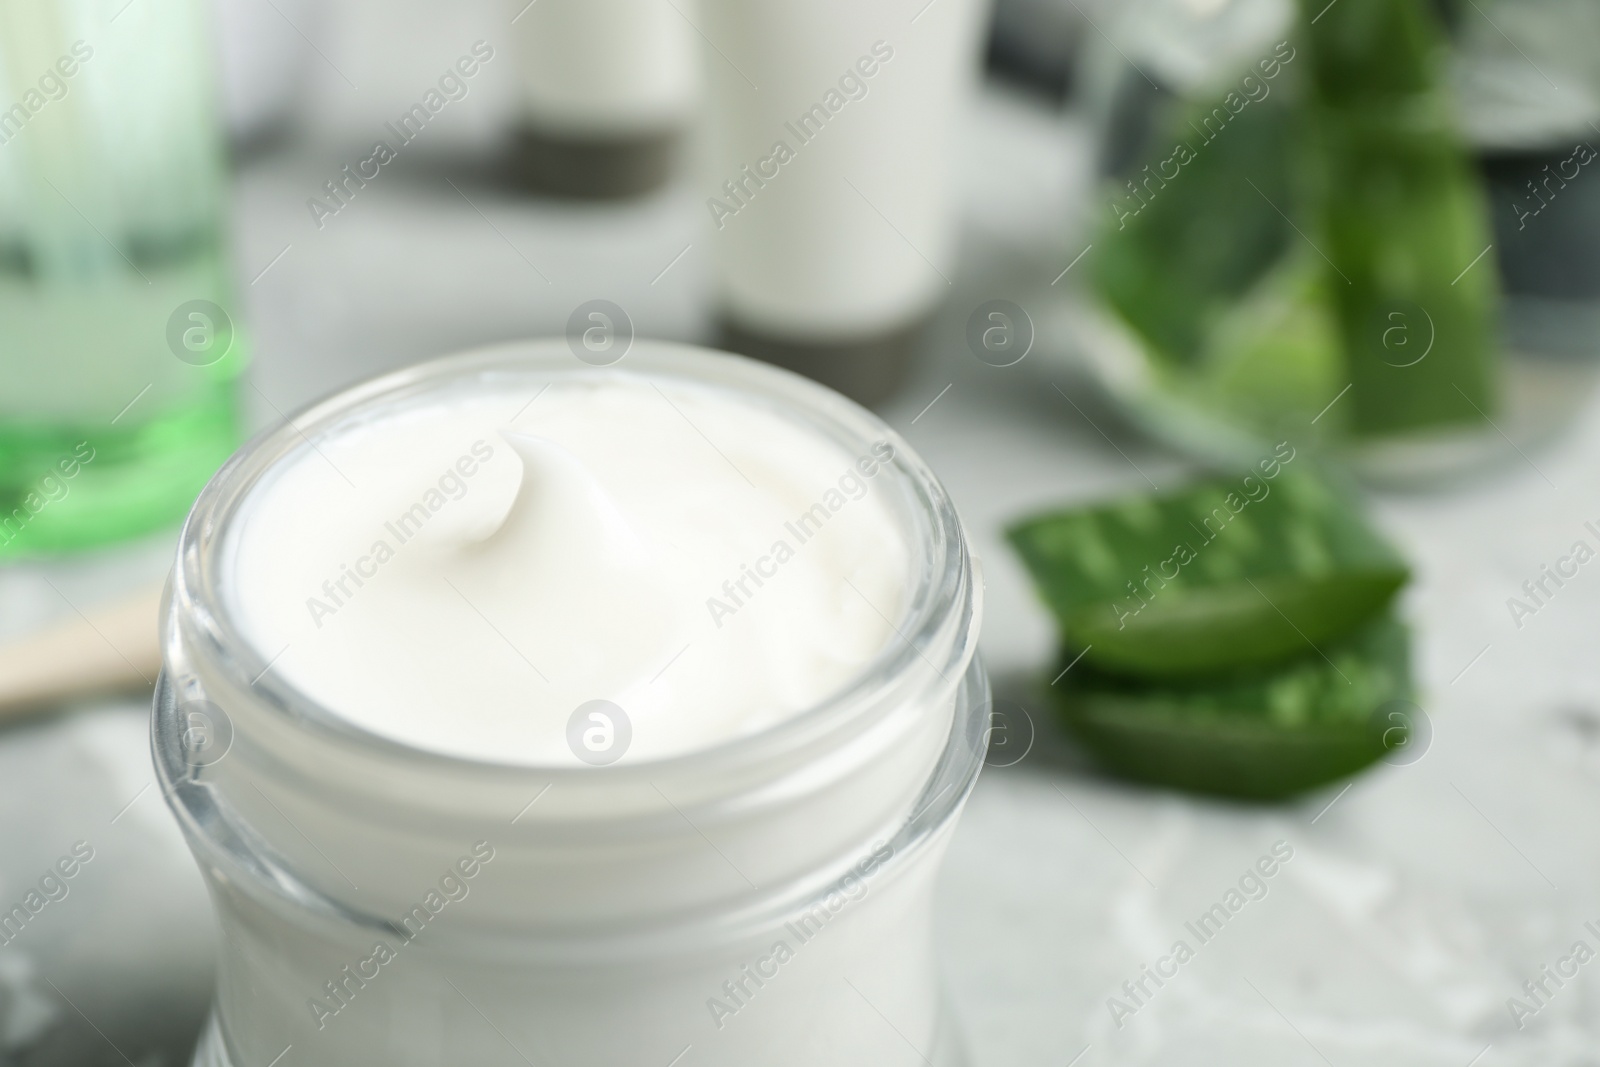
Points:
(832, 184)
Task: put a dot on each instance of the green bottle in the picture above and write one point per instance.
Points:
(119, 354)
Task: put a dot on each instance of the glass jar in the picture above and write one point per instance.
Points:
(1295, 235)
(118, 356)
(1527, 76)
(766, 900)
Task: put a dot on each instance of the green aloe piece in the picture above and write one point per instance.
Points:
(1265, 734)
(1178, 251)
(1275, 354)
(1228, 572)
(1402, 219)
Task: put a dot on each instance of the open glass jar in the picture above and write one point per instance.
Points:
(1304, 230)
(766, 900)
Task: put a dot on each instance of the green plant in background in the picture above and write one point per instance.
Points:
(1317, 237)
(1275, 354)
(1182, 249)
(1234, 638)
(1404, 216)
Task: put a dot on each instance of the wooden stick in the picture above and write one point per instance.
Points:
(112, 647)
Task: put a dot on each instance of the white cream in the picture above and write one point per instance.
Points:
(463, 573)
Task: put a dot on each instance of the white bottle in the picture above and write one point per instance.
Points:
(831, 181)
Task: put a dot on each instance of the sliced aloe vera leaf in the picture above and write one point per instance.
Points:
(1403, 219)
(1273, 359)
(1192, 236)
(1228, 572)
(1264, 734)
(1408, 229)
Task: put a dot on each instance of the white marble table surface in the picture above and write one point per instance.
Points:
(1415, 904)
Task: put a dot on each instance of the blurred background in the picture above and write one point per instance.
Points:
(1072, 250)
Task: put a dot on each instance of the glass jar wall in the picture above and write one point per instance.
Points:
(766, 900)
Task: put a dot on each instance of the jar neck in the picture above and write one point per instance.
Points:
(581, 889)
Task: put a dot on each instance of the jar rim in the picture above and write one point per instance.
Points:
(940, 614)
